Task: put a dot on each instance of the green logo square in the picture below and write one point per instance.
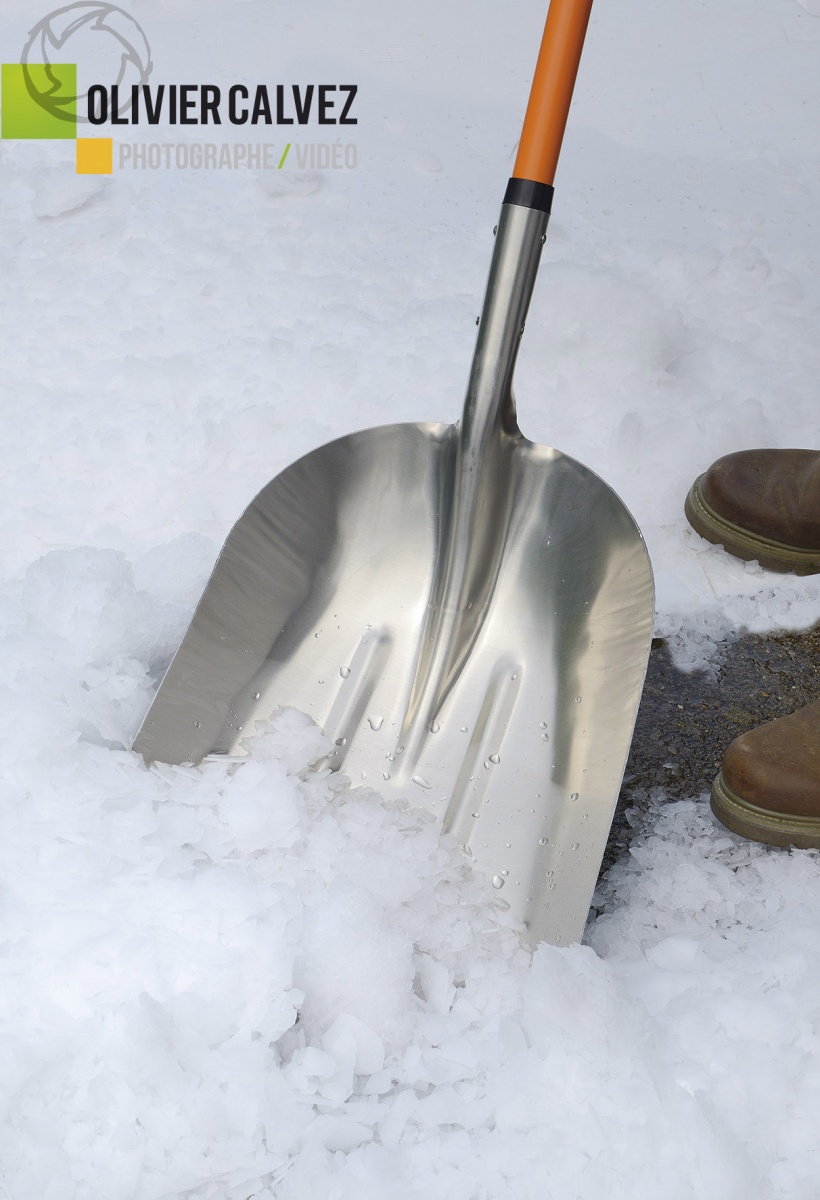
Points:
(39, 100)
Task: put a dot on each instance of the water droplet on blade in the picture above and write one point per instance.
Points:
(341, 741)
(375, 723)
(543, 841)
(421, 781)
(498, 882)
(344, 672)
(495, 759)
(434, 727)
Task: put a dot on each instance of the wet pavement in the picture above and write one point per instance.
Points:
(686, 721)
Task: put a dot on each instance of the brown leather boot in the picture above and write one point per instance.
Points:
(762, 504)
(768, 788)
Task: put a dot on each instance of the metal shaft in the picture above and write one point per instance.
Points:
(477, 515)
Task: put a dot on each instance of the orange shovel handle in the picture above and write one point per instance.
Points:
(551, 91)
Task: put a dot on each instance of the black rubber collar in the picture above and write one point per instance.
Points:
(529, 194)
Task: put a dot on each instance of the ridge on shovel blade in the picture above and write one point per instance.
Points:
(465, 613)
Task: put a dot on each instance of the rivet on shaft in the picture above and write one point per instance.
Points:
(495, 230)
(478, 320)
(543, 238)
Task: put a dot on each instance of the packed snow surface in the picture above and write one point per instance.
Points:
(251, 980)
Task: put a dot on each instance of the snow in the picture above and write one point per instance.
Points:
(172, 339)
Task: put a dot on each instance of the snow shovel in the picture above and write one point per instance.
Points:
(465, 613)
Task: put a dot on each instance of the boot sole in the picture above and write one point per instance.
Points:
(775, 556)
(761, 824)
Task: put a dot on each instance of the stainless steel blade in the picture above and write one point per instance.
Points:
(465, 613)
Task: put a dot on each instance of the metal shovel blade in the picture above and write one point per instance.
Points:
(465, 613)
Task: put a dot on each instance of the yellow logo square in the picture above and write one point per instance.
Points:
(95, 156)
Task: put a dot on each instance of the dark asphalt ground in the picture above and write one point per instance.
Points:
(686, 721)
